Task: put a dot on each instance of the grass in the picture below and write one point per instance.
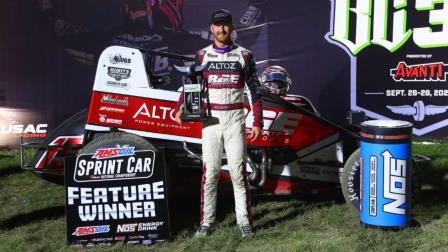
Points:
(32, 218)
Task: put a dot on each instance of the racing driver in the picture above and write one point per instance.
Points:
(228, 67)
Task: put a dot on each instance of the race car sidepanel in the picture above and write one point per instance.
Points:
(155, 116)
(140, 114)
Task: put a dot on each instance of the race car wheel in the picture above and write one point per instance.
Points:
(350, 180)
(115, 139)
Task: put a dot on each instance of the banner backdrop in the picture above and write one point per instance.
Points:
(398, 59)
(382, 57)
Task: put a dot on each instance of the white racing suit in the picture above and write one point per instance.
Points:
(225, 74)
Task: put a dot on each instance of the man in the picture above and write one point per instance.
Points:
(227, 68)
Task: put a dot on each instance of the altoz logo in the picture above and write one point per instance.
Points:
(127, 228)
(118, 73)
(80, 231)
(114, 152)
(394, 183)
(420, 72)
(364, 16)
(158, 112)
(222, 66)
(118, 59)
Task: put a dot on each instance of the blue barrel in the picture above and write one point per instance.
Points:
(385, 179)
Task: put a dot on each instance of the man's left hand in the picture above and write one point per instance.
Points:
(254, 133)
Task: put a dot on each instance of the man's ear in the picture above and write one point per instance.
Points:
(211, 29)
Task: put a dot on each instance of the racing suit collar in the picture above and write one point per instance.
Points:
(222, 50)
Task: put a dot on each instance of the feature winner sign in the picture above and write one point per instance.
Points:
(116, 194)
(398, 58)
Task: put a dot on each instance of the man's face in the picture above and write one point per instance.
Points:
(222, 31)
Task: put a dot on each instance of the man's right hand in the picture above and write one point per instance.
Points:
(177, 117)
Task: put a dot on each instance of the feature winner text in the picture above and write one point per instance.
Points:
(125, 202)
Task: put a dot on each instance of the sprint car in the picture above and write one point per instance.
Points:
(298, 151)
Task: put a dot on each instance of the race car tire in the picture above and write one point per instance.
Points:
(113, 139)
(350, 180)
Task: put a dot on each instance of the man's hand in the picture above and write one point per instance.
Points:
(177, 117)
(254, 133)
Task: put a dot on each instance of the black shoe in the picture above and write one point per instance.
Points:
(203, 230)
(246, 231)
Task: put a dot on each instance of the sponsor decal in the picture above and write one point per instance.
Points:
(135, 237)
(118, 73)
(124, 202)
(110, 109)
(394, 183)
(127, 228)
(114, 99)
(113, 164)
(147, 242)
(210, 55)
(160, 116)
(153, 236)
(114, 152)
(24, 130)
(104, 119)
(223, 66)
(118, 84)
(114, 121)
(120, 238)
(419, 72)
(373, 188)
(233, 55)
(133, 242)
(149, 226)
(217, 15)
(102, 239)
(88, 230)
(158, 112)
(118, 59)
(223, 78)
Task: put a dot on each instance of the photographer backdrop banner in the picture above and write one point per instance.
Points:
(382, 57)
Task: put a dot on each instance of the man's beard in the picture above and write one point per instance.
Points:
(221, 38)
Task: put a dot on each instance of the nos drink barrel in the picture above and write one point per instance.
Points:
(385, 174)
